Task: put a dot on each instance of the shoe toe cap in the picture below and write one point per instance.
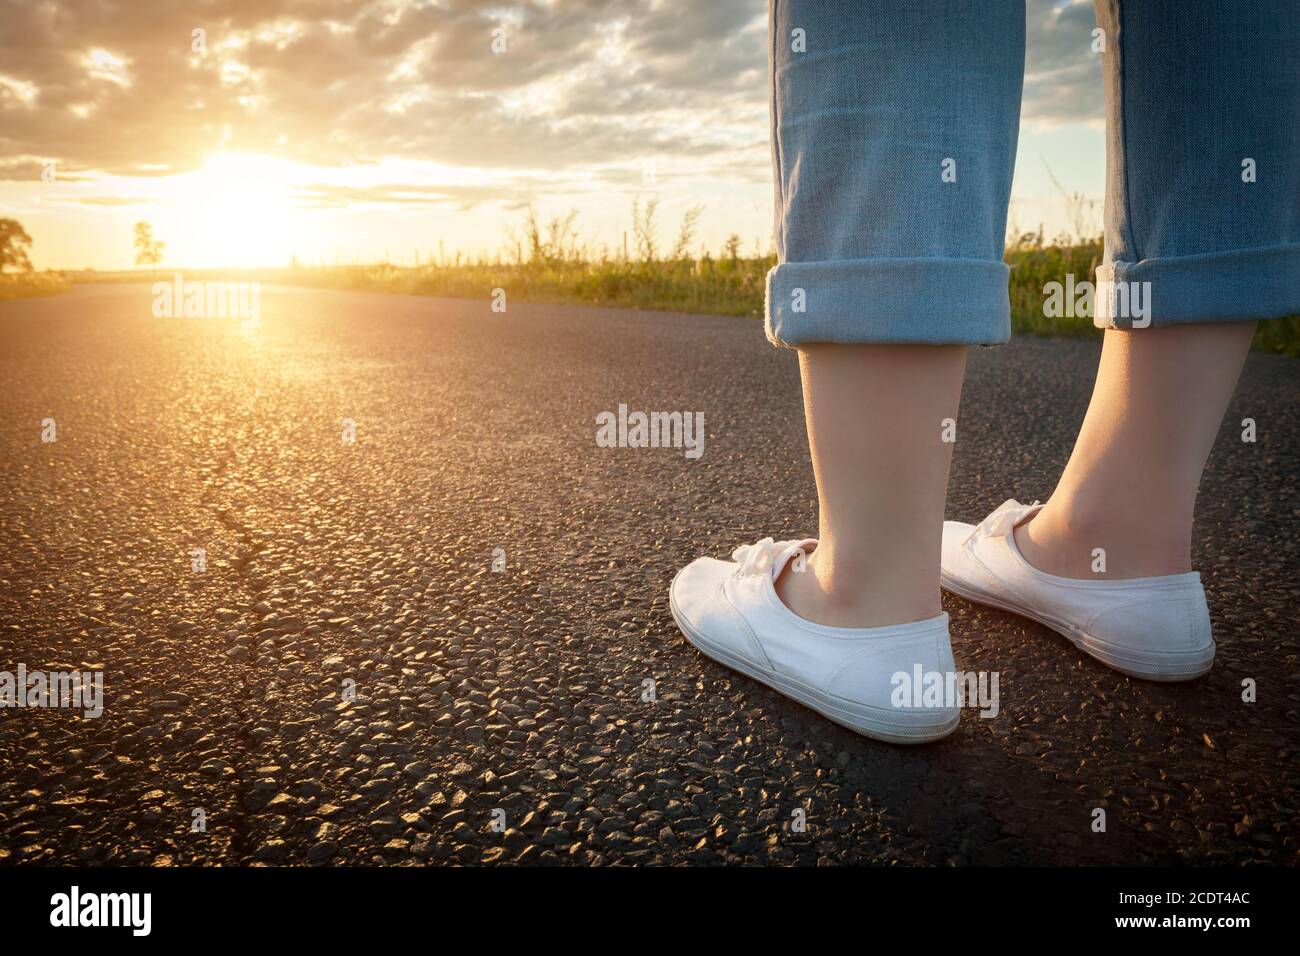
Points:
(695, 592)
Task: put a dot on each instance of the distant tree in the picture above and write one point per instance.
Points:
(14, 243)
(148, 251)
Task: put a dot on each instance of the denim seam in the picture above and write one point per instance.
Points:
(777, 163)
(1121, 64)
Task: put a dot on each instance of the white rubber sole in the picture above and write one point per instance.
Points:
(1166, 667)
(856, 718)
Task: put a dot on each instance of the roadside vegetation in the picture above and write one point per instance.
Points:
(550, 261)
(17, 278)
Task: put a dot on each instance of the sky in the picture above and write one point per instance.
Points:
(333, 131)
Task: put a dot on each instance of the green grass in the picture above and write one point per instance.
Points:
(721, 286)
(556, 268)
(1281, 336)
(1033, 265)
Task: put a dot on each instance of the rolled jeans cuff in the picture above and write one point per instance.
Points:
(889, 301)
(1239, 285)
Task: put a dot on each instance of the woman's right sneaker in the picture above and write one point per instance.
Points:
(869, 680)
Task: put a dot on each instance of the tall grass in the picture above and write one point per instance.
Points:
(707, 285)
(725, 284)
(1035, 263)
(551, 262)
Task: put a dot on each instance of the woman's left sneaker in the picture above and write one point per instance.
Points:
(861, 678)
(1155, 628)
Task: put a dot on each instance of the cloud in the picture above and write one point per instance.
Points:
(106, 201)
(591, 87)
(1063, 81)
(512, 194)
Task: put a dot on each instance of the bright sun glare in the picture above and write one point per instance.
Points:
(240, 209)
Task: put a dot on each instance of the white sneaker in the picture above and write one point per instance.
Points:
(730, 610)
(1155, 628)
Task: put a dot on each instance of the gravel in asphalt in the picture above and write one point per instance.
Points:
(509, 715)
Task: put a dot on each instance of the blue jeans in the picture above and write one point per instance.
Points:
(894, 129)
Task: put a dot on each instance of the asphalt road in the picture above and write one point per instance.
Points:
(523, 690)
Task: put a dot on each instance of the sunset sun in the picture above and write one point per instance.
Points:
(238, 209)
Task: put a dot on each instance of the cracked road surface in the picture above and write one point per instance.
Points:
(227, 738)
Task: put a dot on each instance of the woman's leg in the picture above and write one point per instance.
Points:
(894, 137)
(1130, 486)
(1203, 226)
(876, 425)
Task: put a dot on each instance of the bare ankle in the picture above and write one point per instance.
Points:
(837, 599)
(1083, 543)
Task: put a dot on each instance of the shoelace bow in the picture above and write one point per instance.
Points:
(999, 524)
(758, 558)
